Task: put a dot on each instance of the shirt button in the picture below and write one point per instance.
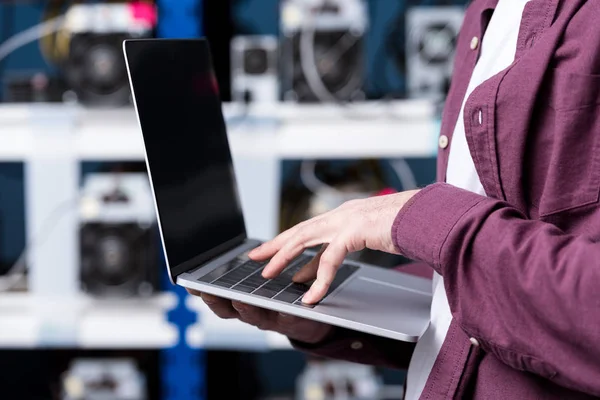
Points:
(356, 345)
(474, 342)
(474, 43)
(443, 142)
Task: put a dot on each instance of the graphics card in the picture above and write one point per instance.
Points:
(95, 68)
(80, 48)
(118, 236)
(431, 41)
(103, 379)
(254, 76)
(322, 55)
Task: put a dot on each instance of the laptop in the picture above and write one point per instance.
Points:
(200, 215)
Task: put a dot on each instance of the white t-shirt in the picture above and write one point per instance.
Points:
(498, 51)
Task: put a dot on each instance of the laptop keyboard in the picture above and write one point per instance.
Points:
(246, 276)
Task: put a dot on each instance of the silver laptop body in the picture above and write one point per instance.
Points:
(201, 224)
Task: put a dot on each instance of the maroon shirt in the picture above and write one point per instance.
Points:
(522, 267)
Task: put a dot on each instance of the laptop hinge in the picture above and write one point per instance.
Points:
(200, 259)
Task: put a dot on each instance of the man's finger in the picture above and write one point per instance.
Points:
(309, 271)
(283, 257)
(194, 292)
(221, 307)
(253, 315)
(331, 260)
(301, 329)
(287, 324)
(289, 252)
(270, 248)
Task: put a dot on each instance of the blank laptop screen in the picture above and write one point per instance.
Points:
(188, 155)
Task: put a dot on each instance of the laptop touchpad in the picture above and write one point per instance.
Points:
(383, 304)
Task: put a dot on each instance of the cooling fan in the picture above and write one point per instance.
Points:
(322, 53)
(118, 236)
(431, 41)
(95, 69)
(84, 40)
(116, 258)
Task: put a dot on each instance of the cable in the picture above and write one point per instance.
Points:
(55, 47)
(330, 194)
(309, 179)
(18, 269)
(30, 35)
(243, 117)
(309, 68)
(404, 174)
(308, 64)
(8, 24)
(314, 80)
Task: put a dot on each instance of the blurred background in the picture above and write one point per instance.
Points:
(325, 100)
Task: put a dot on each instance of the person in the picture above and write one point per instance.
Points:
(511, 228)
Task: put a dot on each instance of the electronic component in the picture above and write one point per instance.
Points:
(254, 76)
(338, 380)
(322, 55)
(103, 379)
(33, 88)
(430, 45)
(95, 68)
(81, 45)
(118, 236)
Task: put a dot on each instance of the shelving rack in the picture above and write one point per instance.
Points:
(52, 141)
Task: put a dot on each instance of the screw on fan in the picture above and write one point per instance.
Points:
(437, 44)
(96, 70)
(114, 256)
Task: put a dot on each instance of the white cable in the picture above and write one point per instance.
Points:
(404, 174)
(315, 185)
(309, 178)
(30, 35)
(330, 194)
(17, 271)
(308, 64)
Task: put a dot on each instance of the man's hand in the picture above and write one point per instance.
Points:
(354, 226)
(299, 329)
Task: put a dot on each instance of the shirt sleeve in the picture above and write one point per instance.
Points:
(524, 289)
(361, 348)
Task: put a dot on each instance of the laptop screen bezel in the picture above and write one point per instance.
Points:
(201, 258)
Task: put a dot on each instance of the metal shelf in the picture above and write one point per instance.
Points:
(83, 322)
(211, 332)
(405, 129)
(53, 138)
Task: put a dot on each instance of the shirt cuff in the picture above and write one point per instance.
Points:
(338, 342)
(424, 223)
(361, 348)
